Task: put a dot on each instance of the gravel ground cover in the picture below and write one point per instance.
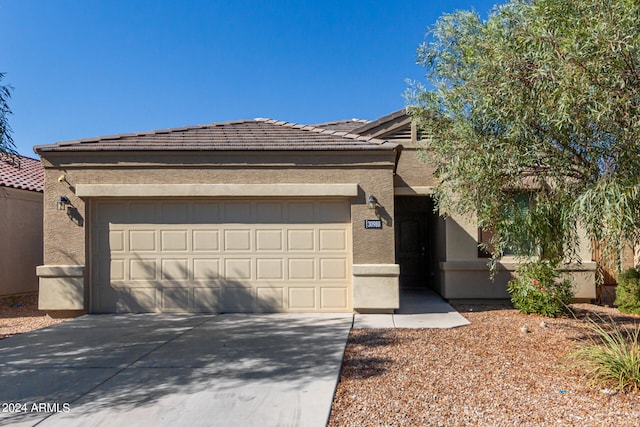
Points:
(20, 314)
(490, 373)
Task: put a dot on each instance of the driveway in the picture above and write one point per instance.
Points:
(174, 370)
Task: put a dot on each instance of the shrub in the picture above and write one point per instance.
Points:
(628, 291)
(612, 358)
(536, 289)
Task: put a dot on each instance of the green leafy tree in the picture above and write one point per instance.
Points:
(539, 101)
(6, 141)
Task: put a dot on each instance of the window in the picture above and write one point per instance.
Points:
(523, 200)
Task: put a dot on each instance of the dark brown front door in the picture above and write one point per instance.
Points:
(413, 243)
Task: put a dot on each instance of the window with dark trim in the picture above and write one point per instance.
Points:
(484, 236)
(523, 198)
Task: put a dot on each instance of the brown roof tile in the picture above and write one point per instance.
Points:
(21, 172)
(396, 116)
(242, 135)
(342, 125)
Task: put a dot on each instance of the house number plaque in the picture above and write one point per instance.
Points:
(372, 223)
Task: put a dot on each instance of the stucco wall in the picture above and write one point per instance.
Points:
(21, 242)
(413, 171)
(65, 233)
(466, 276)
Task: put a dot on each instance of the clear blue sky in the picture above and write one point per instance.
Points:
(85, 68)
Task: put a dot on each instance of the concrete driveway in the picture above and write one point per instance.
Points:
(174, 370)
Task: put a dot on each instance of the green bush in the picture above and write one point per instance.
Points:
(628, 291)
(536, 289)
(611, 358)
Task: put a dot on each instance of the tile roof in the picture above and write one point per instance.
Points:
(21, 172)
(396, 116)
(342, 125)
(241, 135)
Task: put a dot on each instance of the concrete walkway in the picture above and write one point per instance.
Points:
(174, 370)
(419, 309)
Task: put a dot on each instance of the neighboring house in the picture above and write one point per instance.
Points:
(253, 215)
(21, 185)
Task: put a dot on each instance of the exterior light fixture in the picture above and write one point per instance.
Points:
(372, 202)
(62, 203)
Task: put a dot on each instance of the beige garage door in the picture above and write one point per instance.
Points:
(252, 255)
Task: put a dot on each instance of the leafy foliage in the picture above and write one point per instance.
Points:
(6, 141)
(628, 291)
(543, 95)
(536, 289)
(612, 357)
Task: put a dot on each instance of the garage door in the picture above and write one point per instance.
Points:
(252, 255)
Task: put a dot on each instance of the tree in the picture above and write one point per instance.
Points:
(540, 100)
(6, 141)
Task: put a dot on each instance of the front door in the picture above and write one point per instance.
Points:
(413, 242)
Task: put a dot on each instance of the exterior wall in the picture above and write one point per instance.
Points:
(66, 233)
(461, 273)
(466, 276)
(413, 171)
(375, 287)
(21, 243)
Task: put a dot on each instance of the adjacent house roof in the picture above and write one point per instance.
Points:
(21, 172)
(256, 134)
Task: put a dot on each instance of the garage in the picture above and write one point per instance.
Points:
(253, 215)
(220, 255)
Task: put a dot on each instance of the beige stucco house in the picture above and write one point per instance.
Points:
(21, 184)
(252, 215)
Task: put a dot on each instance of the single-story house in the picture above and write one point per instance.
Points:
(21, 186)
(254, 216)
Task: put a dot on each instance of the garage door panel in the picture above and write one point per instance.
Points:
(269, 240)
(302, 269)
(206, 240)
(269, 269)
(269, 299)
(175, 269)
(138, 300)
(333, 212)
(116, 241)
(206, 213)
(334, 298)
(237, 240)
(174, 212)
(239, 299)
(333, 269)
(143, 213)
(301, 240)
(142, 240)
(301, 213)
(333, 240)
(175, 299)
(237, 268)
(142, 269)
(302, 298)
(174, 240)
(206, 300)
(206, 268)
(110, 212)
(248, 255)
(269, 213)
(117, 268)
(238, 213)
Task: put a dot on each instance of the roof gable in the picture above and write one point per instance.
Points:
(241, 135)
(396, 122)
(22, 173)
